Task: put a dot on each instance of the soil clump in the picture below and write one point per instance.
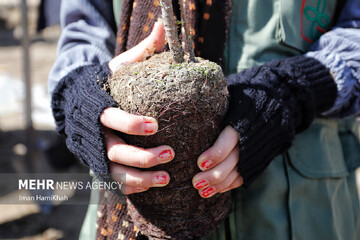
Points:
(188, 100)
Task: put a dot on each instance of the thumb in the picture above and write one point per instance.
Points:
(154, 42)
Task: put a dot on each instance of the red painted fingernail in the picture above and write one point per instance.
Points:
(207, 192)
(201, 184)
(206, 164)
(160, 180)
(149, 127)
(166, 155)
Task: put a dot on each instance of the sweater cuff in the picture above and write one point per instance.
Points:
(320, 81)
(269, 104)
(77, 102)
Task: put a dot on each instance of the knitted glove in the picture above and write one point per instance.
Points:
(77, 102)
(269, 104)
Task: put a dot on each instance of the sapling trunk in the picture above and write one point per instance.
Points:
(171, 31)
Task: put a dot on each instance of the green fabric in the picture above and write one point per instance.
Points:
(88, 229)
(261, 211)
(117, 10)
(261, 31)
(252, 35)
(350, 138)
(302, 22)
(318, 152)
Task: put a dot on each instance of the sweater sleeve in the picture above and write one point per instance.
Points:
(87, 38)
(270, 103)
(86, 45)
(339, 50)
(77, 102)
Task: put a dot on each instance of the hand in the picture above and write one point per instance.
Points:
(124, 157)
(219, 166)
(153, 43)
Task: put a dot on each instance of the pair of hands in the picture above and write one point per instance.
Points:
(218, 164)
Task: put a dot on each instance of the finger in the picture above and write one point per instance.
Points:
(127, 190)
(154, 42)
(222, 147)
(122, 121)
(217, 174)
(120, 152)
(158, 35)
(239, 181)
(136, 180)
(227, 181)
(212, 190)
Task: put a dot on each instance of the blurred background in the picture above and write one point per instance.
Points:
(29, 31)
(28, 142)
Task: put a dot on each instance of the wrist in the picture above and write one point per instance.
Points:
(77, 102)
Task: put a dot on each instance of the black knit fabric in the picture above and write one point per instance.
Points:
(270, 103)
(77, 103)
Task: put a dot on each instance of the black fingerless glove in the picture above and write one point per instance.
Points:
(77, 102)
(270, 103)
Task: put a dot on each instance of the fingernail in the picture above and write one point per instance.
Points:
(207, 192)
(201, 184)
(150, 126)
(141, 189)
(159, 180)
(206, 164)
(166, 155)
